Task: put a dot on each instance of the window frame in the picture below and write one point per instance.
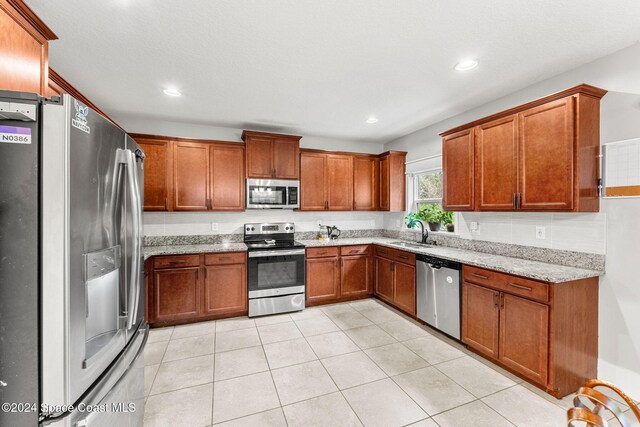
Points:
(416, 176)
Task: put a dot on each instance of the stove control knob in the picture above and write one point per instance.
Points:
(248, 229)
(253, 229)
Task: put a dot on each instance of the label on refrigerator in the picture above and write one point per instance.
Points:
(15, 135)
(80, 120)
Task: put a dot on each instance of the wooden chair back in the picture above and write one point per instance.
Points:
(591, 406)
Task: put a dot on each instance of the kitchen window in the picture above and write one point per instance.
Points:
(427, 189)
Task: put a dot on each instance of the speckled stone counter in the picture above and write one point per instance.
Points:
(521, 267)
(150, 251)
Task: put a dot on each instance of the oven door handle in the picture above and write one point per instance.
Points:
(261, 254)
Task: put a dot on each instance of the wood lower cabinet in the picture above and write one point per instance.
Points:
(542, 332)
(540, 156)
(272, 156)
(338, 273)
(395, 278)
(176, 294)
(225, 289)
(190, 288)
(323, 279)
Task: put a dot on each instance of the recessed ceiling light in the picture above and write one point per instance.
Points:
(172, 92)
(466, 65)
(372, 120)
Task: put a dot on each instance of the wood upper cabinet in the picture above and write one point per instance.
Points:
(366, 183)
(326, 181)
(339, 182)
(24, 42)
(540, 156)
(480, 319)
(355, 275)
(312, 181)
(191, 176)
(524, 336)
(272, 156)
(176, 294)
(546, 151)
(227, 177)
(323, 279)
(157, 173)
(496, 151)
(458, 171)
(225, 285)
(392, 181)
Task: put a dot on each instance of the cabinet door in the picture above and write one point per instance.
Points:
(190, 176)
(480, 319)
(384, 184)
(365, 184)
(355, 277)
(286, 158)
(457, 171)
(225, 289)
(339, 186)
(546, 151)
(524, 336)
(23, 51)
(176, 294)
(384, 279)
(157, 174)
(404, 290)
(227, 178)
(323, 279)
(497, 164)
(312, 182)
(259, 157)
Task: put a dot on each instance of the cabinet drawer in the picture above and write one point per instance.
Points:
(176, 261)
(405, 257)
(355, 250)
(505, 282)
(384, 252)
(482, 276)
(332, 251)
(527, 288)
(225, 258)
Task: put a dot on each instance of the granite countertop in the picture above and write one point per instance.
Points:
(521, 267)
(150, 251)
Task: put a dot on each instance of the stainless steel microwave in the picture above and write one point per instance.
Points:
(273, 194)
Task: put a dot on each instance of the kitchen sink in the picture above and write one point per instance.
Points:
(415, 245)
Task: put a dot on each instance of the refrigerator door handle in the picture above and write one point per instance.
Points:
(136, 268)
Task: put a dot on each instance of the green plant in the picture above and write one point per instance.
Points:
(432, 214)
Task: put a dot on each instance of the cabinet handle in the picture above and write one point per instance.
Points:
(180, 261)
(495, 300)
(166, 205)
(322, 252)
(273, 172)
(198, 274)
(353, 251)
(393, 266)
(501, 300)
(519, 201)
(515, 201)
(205, 273)
(403, 257)
(479, 276)
(526, 288)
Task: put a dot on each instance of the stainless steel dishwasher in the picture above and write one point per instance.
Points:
(438, 293)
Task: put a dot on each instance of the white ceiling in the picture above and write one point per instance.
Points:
(321, 67)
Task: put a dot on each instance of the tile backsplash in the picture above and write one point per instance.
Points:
(200, 223)
(579, 232)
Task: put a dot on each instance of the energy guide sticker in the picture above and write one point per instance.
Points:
(15, 135)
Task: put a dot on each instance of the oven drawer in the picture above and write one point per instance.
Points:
(355, 250)
(176, 261)
(324, 252)
(225, 258)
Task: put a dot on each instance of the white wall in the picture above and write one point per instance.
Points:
(619, 314)
(134, 124)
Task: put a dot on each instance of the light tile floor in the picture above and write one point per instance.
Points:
(349, 364)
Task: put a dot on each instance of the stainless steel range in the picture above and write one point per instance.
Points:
(276, 270)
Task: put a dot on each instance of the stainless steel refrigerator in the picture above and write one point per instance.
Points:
(72, 329)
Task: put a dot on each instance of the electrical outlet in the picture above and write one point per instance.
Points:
(541, 232)
(214, 226)
(474, 226)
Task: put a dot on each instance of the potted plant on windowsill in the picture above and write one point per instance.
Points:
(432, 215)
(447, 220)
